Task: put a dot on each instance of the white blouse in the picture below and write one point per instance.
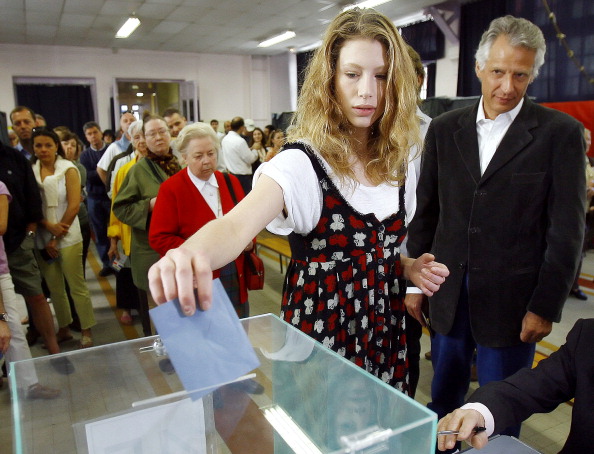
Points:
(293, 172)
(55, 202)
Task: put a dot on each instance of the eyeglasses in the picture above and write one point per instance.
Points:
(154, 134)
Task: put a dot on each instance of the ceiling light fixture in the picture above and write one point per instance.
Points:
(366, 4)
(128, 28)
(140, 94)
(309, 47)
(277, 39)
(412, 19)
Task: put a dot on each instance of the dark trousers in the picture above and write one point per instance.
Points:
(246, 182)
(126, 292)
(452, 358)
(99, 218)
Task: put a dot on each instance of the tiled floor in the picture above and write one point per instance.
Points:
(544, 432)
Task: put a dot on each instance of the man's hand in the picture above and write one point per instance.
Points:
(414, 305)
(535, 328)
(463, 421)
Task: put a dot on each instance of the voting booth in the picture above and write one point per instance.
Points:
(302, 398)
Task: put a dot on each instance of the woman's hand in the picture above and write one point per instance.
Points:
(177, 274)
(58, 229)
(113, 252)
(52, 248)
(425, 273)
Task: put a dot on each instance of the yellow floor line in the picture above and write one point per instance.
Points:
(128, 330)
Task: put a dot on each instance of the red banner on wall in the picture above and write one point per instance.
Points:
(582, 111)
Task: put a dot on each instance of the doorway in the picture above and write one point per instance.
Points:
(140, 96)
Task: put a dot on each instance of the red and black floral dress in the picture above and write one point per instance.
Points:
(344, 286)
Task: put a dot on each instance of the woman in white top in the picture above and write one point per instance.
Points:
(59, 239)
(340, 190)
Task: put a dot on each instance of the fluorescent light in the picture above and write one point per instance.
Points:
(289, 431)
(128, 27)
(311, 46)
(277, 39)
(366, 4)
(412, 19)
(140, 94)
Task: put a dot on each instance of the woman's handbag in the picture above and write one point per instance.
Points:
(253, 270)
(253, 266)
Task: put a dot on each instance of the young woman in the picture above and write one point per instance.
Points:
(339, 190)
(59, 239)
(258, 143)
(277, 140)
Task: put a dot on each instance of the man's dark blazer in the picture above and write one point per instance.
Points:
(566, 374)
(517, 230)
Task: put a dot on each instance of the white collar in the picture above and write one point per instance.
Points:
(201, 183)
(509, 116)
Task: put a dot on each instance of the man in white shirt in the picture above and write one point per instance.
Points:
(237, 156)
(500, 202)
(215, 125)
(116, 147)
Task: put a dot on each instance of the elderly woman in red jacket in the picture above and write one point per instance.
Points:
(193, 197)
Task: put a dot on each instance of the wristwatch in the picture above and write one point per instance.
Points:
(3, 317)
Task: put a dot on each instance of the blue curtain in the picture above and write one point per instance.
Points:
(61, 105)
(426, 38)
(559, 79)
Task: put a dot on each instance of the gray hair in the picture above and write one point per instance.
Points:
(520, 32)
(134, 128)
(193, 131)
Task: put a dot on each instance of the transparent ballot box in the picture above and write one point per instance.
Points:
(126, 398)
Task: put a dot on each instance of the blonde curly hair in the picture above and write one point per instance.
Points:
(319, 117)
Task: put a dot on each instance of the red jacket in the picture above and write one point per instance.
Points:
(180, 211)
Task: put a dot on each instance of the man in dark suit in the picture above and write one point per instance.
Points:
(499, 201)
(566, 374)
